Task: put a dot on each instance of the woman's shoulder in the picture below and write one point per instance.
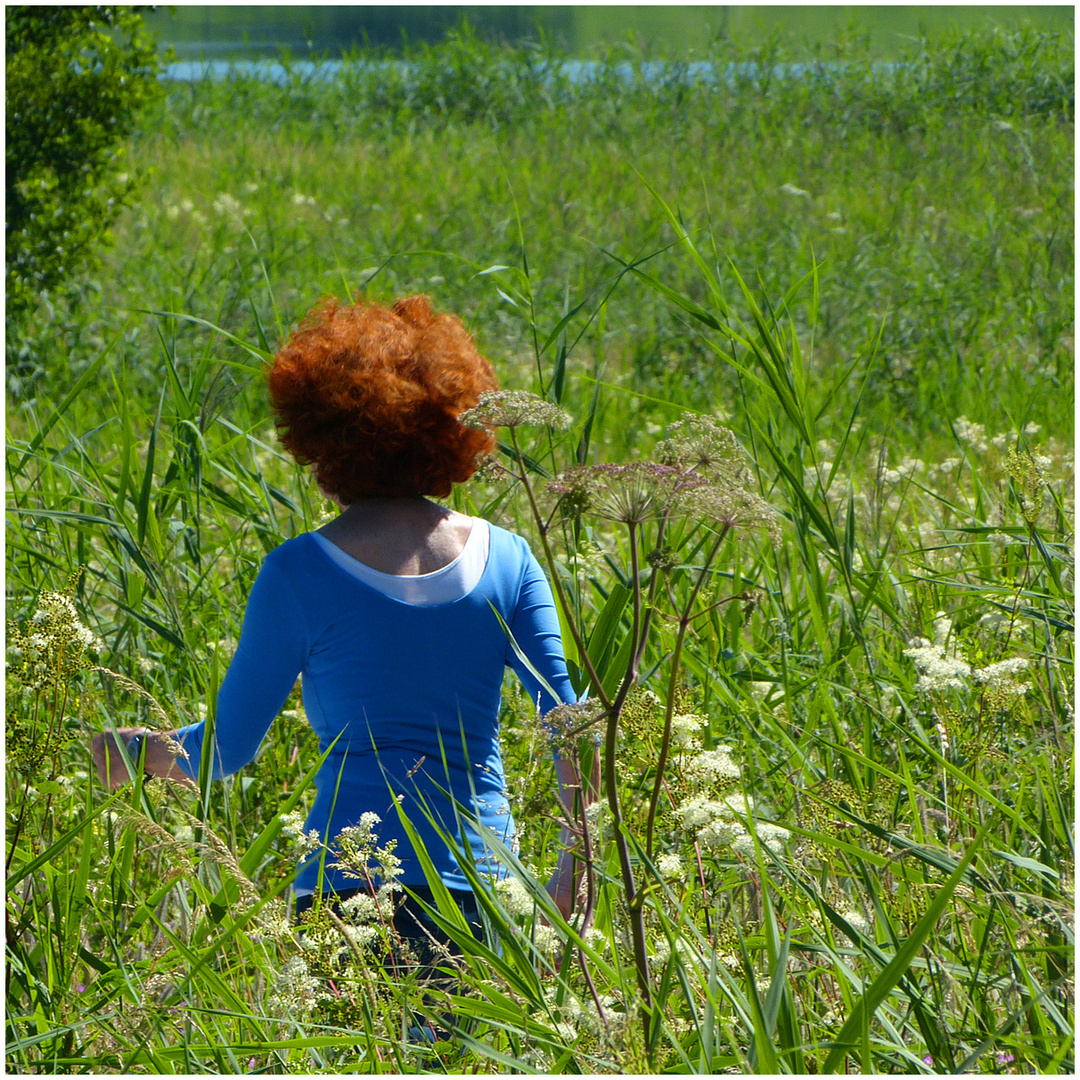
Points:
(506, 542)
(298, 556)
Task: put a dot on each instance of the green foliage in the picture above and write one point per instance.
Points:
(76, 77)
(857, 849)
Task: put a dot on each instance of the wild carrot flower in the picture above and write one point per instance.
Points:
(700, 443)
(632, 493)
(513, 408)
(702, 448)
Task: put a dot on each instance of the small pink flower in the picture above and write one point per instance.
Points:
(1004, 1058)
(928, 1060)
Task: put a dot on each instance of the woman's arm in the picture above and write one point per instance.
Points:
(535, 627)
(273, 648)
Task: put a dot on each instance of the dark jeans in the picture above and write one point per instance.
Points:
(411, 923)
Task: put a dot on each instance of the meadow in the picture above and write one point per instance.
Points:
(834, 685)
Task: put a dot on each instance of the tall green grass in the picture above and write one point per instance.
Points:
(898, 377)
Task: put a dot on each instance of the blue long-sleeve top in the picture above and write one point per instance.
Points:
(410, 693)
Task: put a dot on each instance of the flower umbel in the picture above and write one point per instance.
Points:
(630, 493)
(513, 408)
(711, 453)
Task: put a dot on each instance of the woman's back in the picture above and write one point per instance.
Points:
(408, 695)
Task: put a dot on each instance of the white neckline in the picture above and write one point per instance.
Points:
(450, 582)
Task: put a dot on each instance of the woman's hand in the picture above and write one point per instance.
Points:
(112, 771)
(159, 750)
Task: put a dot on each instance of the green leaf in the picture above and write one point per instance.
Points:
(868, 1004)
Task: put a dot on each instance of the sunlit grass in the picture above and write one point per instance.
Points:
(862, 846)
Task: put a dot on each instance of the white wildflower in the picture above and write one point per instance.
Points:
(296, 990)
(684, 729)
(794, 192)
(514, 897)
(942, 628)
(1002, 670)
(670, 867)
(362, 936)
(584, 1013)
(774, 837)
(513, 408)
(714, 767)
(719, 834)
(937, 671)
(361, 908)
(972, 434)
(546, 939)
(738, 803)
(743, 845)
(226, 204)
(856, 920)
(700, 811)
(596, 814)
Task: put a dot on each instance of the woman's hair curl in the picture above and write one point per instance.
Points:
(371, 397)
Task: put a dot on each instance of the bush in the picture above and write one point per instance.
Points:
(76, 76)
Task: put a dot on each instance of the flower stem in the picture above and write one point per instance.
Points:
(665, 741)
(575, 632)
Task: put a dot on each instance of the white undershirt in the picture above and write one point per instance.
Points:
(450, 582)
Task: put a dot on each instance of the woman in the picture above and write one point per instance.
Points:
(391, 611)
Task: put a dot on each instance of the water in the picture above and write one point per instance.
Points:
(577, 72)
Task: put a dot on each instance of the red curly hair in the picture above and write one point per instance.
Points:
(371, 396)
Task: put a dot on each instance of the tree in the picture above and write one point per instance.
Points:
(76, 78)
